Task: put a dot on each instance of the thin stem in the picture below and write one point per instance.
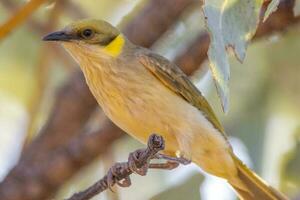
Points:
(19, 17)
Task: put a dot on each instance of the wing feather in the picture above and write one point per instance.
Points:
(177, 81)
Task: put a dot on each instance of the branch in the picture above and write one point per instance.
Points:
(41, 180)
(43, 73)
(297, 197)
(74, 105)
(12, 7)
(19, 17)
(120, 172)
(42, 29)
(71, 8)
(154, 20)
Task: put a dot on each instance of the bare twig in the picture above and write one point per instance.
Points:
(120, 172)
(42, 73)
(12, 7)
(42, 29)
(107, 160)
(19, 17)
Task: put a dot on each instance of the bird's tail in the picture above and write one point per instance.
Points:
(254, 188)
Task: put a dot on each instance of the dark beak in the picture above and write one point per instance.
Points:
(58, 36)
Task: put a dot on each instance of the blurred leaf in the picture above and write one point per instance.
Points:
(272, 7)
(231, 24)
(297, 8)
(290, 176)
(12, 82)
(112, 11)
(188, 189)
(283, 57)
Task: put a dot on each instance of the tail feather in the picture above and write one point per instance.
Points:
(257, 189)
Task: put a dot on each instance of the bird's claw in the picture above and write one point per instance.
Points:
(169, 165)
(180, 160)
(112, 176)
(133, 159)
(156, 142)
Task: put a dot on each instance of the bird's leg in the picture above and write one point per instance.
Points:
(132, 160)
(180, 160)
(138, 162)
(112, 176)
(172, 162)
(169, 165)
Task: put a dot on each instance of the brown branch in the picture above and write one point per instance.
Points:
(154, 20)
(297, 197)
(19, 17)
(194, 55)
(70, 7)
(74, 105)
(280, 20)
(42, 29)
(120, 172)
(12, 7)
(42, 72)
(41, 180)
(75, 11)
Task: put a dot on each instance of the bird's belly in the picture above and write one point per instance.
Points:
(183, 126)
(141, 116)
(141, 111)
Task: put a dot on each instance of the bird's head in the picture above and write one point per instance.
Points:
(89, 35)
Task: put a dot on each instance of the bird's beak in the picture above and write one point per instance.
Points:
(58, 36)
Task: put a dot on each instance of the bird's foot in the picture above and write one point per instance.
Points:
(169, 165)
(180, 160)
(113, 174)
(132, 160)
(134, 157)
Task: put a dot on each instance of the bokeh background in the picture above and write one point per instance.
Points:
(54, 141)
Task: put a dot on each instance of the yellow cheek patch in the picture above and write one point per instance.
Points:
(115, 47)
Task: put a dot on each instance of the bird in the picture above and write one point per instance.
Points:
(143, 92)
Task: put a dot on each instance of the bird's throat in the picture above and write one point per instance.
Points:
(115, 47)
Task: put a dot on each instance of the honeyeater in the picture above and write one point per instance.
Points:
(144, 93)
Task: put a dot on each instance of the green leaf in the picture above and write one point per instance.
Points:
(231, 25)
(297, 8)
(290, 177)
(272, 7)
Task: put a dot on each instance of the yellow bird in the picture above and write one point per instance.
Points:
(143, 93)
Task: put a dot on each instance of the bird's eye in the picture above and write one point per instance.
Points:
(87, 33)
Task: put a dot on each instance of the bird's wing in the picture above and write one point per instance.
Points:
(171, 75)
